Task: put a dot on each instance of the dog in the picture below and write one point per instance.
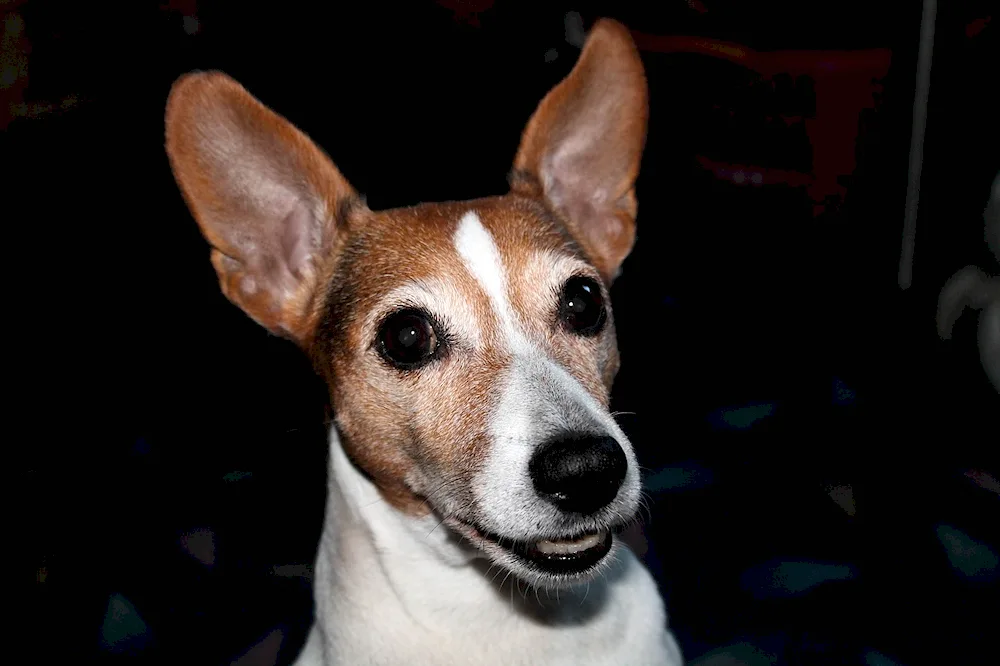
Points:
(469, 349)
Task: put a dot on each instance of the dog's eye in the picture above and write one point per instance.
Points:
(582, 309)
(407, 339)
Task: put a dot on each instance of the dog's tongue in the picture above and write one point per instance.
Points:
(572, 546)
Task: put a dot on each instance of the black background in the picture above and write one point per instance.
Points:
(147, 406)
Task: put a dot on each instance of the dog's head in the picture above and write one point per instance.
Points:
(469, 347)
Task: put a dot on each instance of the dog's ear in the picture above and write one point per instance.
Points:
(265, 196)
(582, 147)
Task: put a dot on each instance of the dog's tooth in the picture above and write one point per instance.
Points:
(561, 547)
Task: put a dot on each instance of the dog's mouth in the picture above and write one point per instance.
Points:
(572, 555)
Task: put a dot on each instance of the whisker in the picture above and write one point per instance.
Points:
(434, 528)
(505, 579)
(375, 501)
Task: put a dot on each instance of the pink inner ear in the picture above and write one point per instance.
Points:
(297, 242)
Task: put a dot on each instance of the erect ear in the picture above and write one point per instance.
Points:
(582, 147)
(265, 196)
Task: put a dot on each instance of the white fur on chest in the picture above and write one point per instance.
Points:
(391, 589)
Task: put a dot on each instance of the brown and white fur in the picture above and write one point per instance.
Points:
(451, 441)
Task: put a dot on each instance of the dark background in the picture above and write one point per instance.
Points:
(822, 468)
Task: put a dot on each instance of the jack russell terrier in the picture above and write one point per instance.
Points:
(469, 350)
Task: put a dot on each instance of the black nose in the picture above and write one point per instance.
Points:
(579, 474)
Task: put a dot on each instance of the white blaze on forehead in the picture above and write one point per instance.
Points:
(533, 379)
(481, 257)
(536, 397)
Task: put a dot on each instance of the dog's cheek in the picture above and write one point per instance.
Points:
(452, 418)
(591, 361)
(375, 434)
(612, 362)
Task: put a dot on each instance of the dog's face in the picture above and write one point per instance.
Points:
(487, 337)
(469, 347)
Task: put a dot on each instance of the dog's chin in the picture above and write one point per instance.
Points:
(548, 562)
